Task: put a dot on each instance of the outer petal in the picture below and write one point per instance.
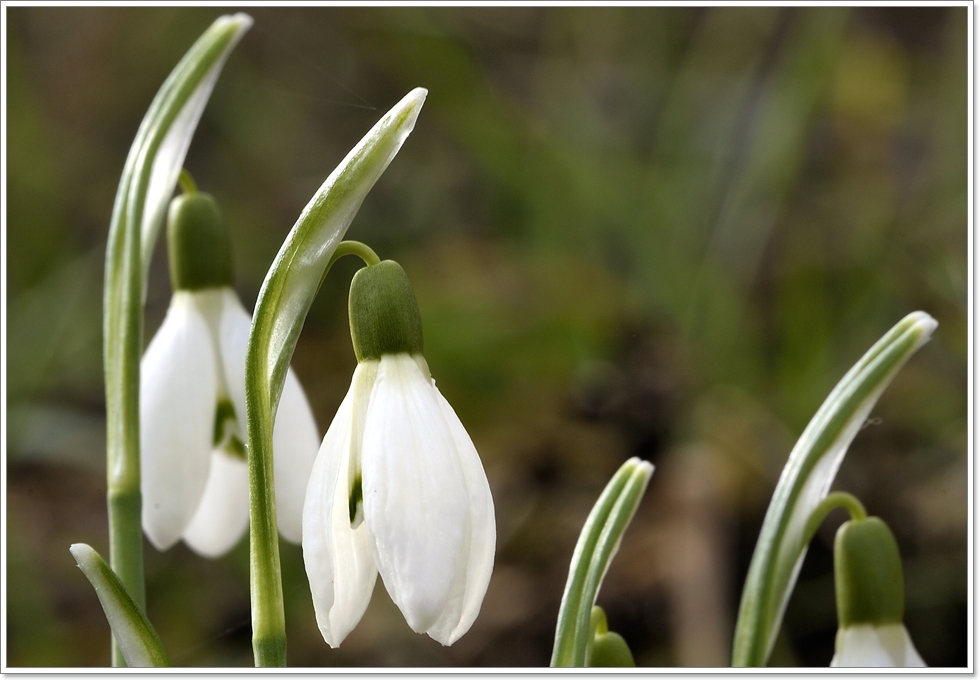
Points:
(472, 582)
(231, 328)
(178, 388)
(222, 515)
(294, 448)
(338, 559)
(415, 499)
(868, 646)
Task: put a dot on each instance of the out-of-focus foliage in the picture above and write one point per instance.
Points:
(663, 232)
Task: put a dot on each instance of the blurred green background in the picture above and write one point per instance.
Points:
(662, 232)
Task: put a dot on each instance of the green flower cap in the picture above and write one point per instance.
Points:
(200, 249)
(384, 314)
(868, 574)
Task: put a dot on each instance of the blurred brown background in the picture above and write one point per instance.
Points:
(662, 232)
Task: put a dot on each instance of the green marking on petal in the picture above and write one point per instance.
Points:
(227, 434)
(355, 503)
(235, 448)
(224, 412)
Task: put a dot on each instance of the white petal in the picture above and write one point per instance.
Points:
(361, 388)
(869, 646)
(222, 515)
(912, 657)
(415, 499)
(338, 559)
(177, 404)
(294, 448)
(173, 148)
(233, 324)
(468, 594)
(895, 639)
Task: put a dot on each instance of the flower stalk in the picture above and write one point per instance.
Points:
(804, 484)
(148, 180)
(284, 300)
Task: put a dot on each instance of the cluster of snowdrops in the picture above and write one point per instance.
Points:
(210, 435)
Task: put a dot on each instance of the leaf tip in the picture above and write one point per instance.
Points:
(240, 20)
(407, 110)
(923, 324)
(417, 96)
(641, 467)
(81, 552)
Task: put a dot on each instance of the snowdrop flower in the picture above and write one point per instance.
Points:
(870, 599)
(194, 478)
(397, 487)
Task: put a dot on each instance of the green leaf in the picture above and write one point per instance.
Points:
(597, 544)
(284, 301)
(805, 481)
(136, 638)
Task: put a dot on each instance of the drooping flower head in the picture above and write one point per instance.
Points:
(398, 487)
(194, 478)
(870, 598)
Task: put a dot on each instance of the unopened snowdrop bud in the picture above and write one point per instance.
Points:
(194, 477)
(870, 598)
(607, 649)
(398, 487)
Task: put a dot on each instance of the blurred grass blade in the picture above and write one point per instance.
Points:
(132, 630)
(148, 180)
(597, 544)
(284, 300)
(805, 481)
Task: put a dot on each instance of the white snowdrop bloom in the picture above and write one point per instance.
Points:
(194, 478)
(398, 487)
(870, 599)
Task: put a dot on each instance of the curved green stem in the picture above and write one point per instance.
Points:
(357, 248)
(186, 182)
(838, 499)
(344, 248)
